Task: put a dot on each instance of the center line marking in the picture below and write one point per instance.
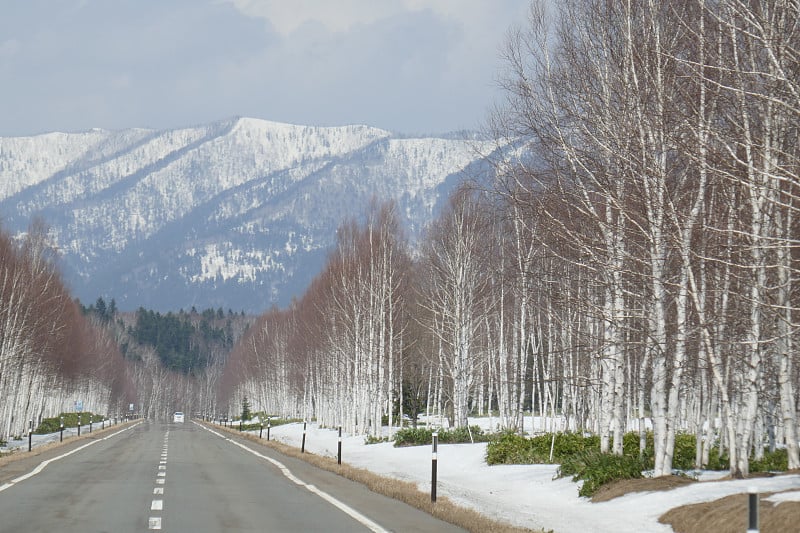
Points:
(157, 505)
(158, 490)
(154, 522)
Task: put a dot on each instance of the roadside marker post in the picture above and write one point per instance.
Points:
(30, 434)
(303, 445)
(434, 460)
(752, 511)
(339, 454)
(61, 436)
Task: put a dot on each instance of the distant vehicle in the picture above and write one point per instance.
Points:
(177, 417)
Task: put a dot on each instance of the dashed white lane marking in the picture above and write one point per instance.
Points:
(372, 526)
(154, 522)
(43, 464)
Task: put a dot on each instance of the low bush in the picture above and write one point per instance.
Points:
(272, 423)
(596, 469)
(369, 439)
(685, 452)
(511, 448)
(422, 436)
(52, 425)
(777, 461)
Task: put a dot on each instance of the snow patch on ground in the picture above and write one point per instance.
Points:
(524, 495)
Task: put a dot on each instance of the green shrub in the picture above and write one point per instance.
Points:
(717, 461)
(511, 448)
(48, 425)
(630, 446)
(272, 423)
(52, 425)
(777, 461)
(423, 436)
(369, 439)
(597, 469)
(685, 451)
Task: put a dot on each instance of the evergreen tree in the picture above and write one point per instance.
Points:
(246, 414)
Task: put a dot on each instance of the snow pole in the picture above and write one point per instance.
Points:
(303, 445)
(261, 430)
(752, 511)
(79, 424)
(433, 466)
(269, 423)
(30, 434)
(61, 436)
(339, 453)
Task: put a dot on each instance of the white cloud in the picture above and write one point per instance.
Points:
(342, 15)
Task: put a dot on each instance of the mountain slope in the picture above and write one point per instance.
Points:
(237, 214)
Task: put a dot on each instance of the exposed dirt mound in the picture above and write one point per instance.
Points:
(729, 515)
(622, 487)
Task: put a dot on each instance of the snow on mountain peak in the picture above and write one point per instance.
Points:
(237, 213)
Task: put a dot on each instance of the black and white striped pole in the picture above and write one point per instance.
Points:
(339, 453)
(434, 460)
(752, 510)
(269, 424)
(30, 434)
(261, 429)
(79, 424)
(61, 436)
(303, 445)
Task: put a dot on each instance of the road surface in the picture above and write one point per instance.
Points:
(188, 478)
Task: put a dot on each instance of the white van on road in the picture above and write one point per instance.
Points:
(178, 417)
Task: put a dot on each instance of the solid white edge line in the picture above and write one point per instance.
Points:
(43, 464)
(372, 526)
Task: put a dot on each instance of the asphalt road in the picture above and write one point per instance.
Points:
(187, 478)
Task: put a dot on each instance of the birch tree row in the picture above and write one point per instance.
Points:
(665, 141)
(50, 356)
(632, 266)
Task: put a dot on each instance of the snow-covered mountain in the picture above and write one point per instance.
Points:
(236, 214)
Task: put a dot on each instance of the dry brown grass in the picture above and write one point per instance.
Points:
(622, 487)
(38, 450)
(725, 515)
(403, 491)
(729, 515)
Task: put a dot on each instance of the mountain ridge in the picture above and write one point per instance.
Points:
(239, 213)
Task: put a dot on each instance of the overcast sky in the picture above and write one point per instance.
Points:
(410, 66)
